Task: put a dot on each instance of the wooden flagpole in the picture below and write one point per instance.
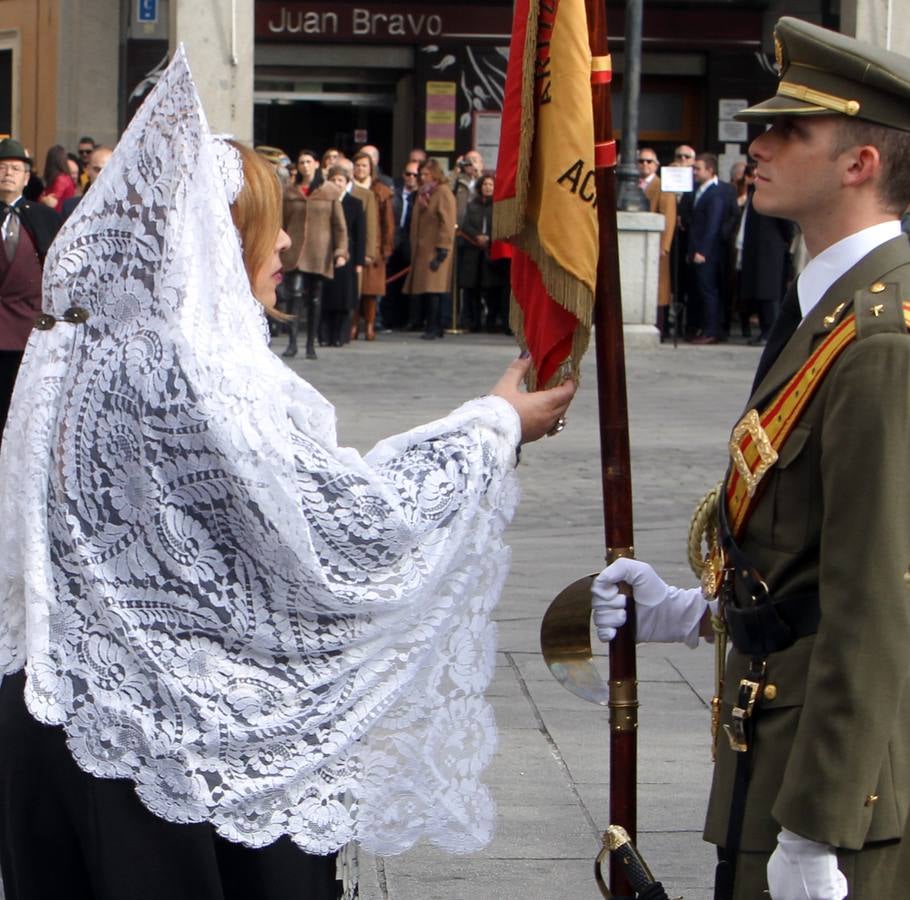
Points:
(616, 474)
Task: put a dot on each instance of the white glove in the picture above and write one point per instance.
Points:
(800, 869)
(663, 613)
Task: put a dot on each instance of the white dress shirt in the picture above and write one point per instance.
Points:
(823, 270)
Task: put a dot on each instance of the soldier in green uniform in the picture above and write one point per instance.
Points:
(812, 782)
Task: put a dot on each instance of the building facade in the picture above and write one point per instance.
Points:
(316, 73)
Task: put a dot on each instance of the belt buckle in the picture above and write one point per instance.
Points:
(751, 424)
(749, 690)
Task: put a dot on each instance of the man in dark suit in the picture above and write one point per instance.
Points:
(707, 248)
(396, 312)
(26, 231)
(762, 263)
(812, 789)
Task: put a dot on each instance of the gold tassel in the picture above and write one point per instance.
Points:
(509, 215)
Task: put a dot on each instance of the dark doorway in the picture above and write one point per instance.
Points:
(6, 92)
(319, 124)
(318, 108)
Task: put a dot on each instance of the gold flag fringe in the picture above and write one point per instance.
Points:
(509, 215)
(566, 289)
(571, 366)
(569, 292)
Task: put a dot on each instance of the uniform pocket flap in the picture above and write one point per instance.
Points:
(794, 445)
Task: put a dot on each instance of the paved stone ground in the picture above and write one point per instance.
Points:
(550, 776)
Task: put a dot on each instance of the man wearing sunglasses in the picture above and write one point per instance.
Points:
(395, 312)
(684, 155)
(662, 202)
(86, 147)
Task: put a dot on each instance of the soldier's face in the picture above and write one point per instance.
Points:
(796, 175)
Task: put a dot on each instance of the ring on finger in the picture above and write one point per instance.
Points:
(560, 424)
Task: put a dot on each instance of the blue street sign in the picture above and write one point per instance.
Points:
(148, 10)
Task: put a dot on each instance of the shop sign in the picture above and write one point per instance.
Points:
(379, 23)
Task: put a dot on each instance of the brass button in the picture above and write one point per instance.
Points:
(876, 288)
(871, 799)
(770, 692)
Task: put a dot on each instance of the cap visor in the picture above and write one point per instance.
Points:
(780, 106)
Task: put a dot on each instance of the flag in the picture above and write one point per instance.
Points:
(545, 198)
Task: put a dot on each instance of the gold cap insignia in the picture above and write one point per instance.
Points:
(778, 54)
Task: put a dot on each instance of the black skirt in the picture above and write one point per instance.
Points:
(64, 833)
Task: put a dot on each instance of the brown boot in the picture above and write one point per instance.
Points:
(355, 323)
(369, 313)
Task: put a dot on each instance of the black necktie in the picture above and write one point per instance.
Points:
(9, 231)
(785, 324)
(408, 209)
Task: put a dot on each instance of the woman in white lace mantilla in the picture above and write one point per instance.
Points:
(268, 639)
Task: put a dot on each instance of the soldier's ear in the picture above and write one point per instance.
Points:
(861, 163)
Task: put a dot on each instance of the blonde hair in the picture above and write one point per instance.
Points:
(257, 214)
(257, 210)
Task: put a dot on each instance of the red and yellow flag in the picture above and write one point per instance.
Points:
(545, 200)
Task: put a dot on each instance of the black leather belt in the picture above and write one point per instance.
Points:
(772, 625)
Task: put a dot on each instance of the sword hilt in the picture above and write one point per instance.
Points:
(616, 841)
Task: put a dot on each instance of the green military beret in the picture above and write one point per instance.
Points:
(10, 149)
(823, 72)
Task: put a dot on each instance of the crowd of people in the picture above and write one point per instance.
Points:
(724, 264)
(369, 252)
(66, 176)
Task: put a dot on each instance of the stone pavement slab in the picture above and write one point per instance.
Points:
(550, 776)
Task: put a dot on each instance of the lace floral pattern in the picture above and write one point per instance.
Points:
(260, 628)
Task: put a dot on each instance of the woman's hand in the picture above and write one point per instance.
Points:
(340, 261)
(539, 411)
(438, 259)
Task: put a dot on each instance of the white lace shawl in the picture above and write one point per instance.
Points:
(260, 628)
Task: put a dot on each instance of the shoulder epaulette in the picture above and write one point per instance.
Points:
(882, 307)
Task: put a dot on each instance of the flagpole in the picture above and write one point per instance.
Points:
(616, 475)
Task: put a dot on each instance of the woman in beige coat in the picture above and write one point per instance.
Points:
(432, 237)
(319, 239)
(373, 286)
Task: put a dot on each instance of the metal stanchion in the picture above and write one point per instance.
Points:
(456, 302)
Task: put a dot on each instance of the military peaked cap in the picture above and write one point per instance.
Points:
(10, 149)
(823, 72)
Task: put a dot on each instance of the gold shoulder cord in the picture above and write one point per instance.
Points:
(703, 531)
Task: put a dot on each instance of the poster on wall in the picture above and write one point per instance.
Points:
(440, 117)
(486, 137)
